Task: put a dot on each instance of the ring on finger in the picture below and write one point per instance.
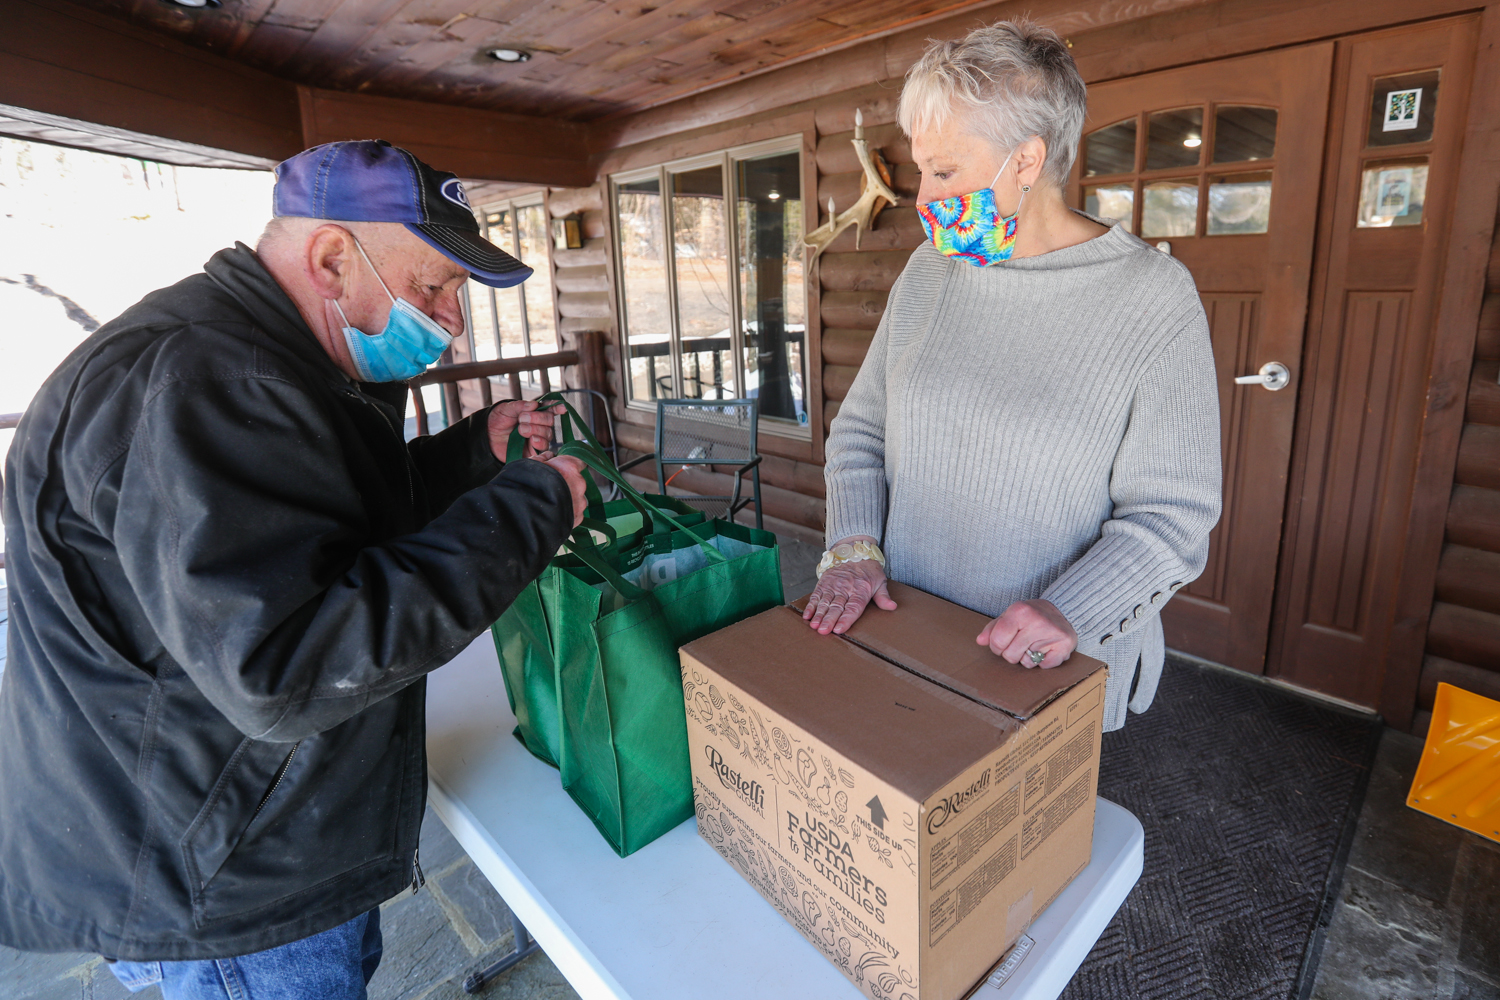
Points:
(1037, 656)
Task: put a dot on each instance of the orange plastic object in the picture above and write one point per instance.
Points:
(1458, 780)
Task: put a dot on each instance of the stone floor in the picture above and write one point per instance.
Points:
(1419, 914)
(1418, 917)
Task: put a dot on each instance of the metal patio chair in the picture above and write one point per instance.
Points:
(708, 432)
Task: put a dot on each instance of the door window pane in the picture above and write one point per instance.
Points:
(1242, 132)
(1110, 150)
(1239, 203)
(1112, 201)
(644, 276)
(1402, 108)
(1169, 208)
(1174, 138)
(701, 258)
(1392, 193)
(772, 290)
(541, 326)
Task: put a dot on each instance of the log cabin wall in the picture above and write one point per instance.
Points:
(1463, 636)
(581, 278)
(848, 285)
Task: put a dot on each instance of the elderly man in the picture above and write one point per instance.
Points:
(229, 575)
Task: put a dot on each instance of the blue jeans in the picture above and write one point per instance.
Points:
(334, 965)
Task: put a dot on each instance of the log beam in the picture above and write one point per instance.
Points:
(1465, 634)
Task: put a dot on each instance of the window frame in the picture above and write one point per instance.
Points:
(530, 379)
(662, 172)
(1204, 174)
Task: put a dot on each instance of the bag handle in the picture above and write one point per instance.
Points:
(603, 527)
(582, 546)
(515, 450)
(595, 460)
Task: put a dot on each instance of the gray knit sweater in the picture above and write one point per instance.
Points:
(1045, 427)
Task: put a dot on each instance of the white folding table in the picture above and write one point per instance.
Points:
(674, 921)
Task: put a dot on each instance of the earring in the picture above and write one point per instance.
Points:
(1025, 188)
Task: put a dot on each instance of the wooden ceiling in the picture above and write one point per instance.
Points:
(591, 59)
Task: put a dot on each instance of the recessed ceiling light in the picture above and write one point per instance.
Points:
(1192, 142)
(774, 196)
(193, 4)
(509, 55)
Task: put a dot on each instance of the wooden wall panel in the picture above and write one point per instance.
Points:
(488, 145)
(1362, 407)
(68, 61)
(1233, 330)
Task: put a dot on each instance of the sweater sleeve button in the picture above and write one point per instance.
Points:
(1156, 598)
(1124, 625)
(1176, 586)
(1105, 638)
(1139, 610)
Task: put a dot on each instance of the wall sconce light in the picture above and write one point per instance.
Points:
(508, 55)
(567, 232)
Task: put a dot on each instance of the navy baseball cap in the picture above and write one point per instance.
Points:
(372, 181)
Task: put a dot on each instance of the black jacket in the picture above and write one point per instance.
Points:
(228, 577)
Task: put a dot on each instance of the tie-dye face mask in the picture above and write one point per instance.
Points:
(970, 226)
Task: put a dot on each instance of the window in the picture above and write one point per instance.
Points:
(723, 314)
(515, 322)
(1403, 110)
(1177, 191)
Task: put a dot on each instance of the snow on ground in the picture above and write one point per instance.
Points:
(84, 235)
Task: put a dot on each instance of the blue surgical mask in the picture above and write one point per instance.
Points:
(970, 226)
(410, 342)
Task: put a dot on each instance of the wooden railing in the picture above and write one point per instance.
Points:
(589, 359)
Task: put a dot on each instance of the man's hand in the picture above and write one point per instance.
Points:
(844, 592)
(536, 426)
(572, 470)
(1030, 625)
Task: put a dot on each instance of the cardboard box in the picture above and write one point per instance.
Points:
(905, 798)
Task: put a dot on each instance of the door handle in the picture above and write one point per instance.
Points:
(1273, 375)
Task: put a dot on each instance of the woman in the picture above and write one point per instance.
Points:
(1035, 430)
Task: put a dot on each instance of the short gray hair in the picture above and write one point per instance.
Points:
(1011, 81)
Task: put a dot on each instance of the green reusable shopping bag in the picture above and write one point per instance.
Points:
(522, 637)
(623, 739)
(608, 623)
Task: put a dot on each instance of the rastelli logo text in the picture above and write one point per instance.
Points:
(752, 792)
(945, 809)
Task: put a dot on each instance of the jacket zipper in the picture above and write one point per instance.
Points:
(417, 878)
(280, 773)
(411, 490)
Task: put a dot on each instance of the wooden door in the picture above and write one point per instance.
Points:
(1387, 208)
(1219, 164)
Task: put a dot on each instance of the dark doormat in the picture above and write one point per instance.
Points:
(1249, 796)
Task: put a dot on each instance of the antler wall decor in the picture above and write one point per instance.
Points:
(874, 195)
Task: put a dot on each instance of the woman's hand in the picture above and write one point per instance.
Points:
(1030, 625)
(843, 593)
(536, 426)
